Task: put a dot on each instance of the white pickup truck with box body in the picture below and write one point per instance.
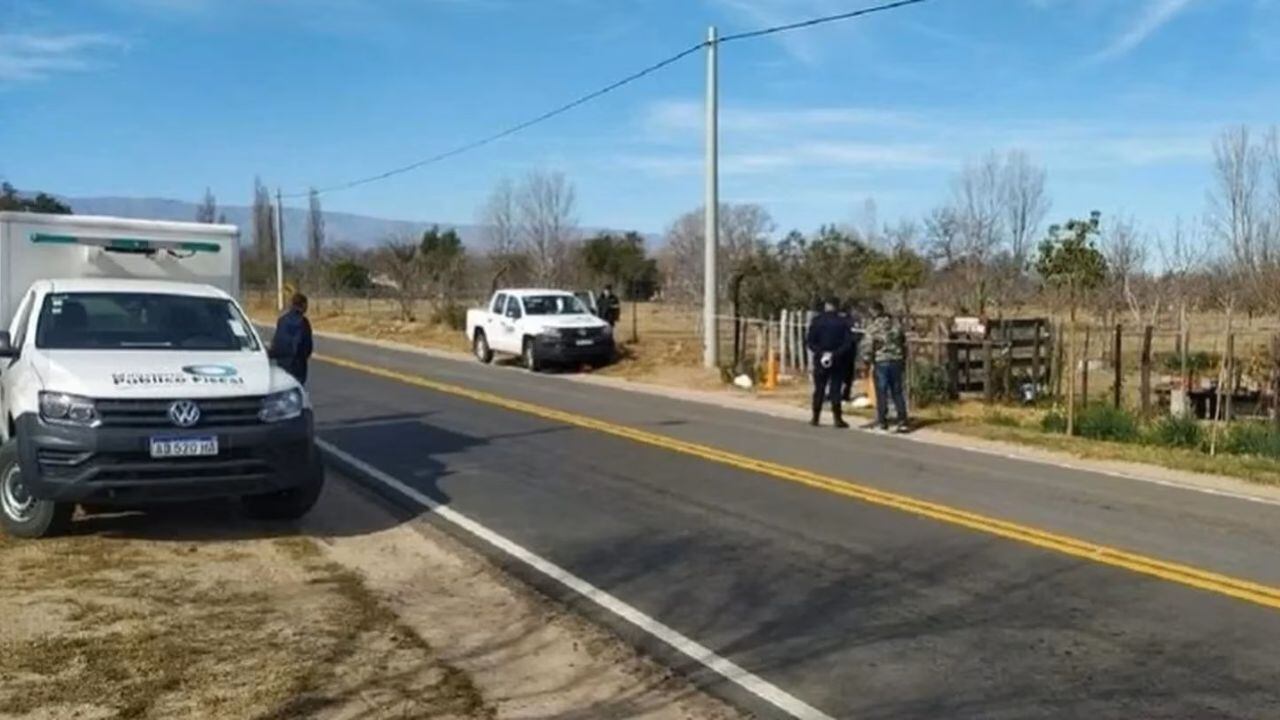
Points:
(129, 375)
(542, 327)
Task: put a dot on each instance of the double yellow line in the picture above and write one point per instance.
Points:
(1173, 572)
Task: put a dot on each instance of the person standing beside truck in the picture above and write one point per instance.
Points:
(291, 346)
(610, 306)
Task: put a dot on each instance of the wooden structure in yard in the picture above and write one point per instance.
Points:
(996, 357)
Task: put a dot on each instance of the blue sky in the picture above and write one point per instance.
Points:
(1121, 99)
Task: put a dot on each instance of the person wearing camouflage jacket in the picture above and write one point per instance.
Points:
(884, 347)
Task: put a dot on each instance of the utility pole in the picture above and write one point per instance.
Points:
(710, 335)
(279, 251)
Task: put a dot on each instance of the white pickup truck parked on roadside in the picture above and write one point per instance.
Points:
(542, 327)
(129, 375)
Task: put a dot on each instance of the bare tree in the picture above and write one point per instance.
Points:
(1182, 254)
(743, 229)
(315, 228)
(1237, 215)
(1131, 286)
(207, 212)
(264, 225)
(545, 205)
(1025, 203)
(966, 235)
(500, 218)
(399, 259)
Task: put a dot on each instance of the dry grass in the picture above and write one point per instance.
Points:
(126, 628)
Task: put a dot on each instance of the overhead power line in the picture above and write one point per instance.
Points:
(481, 142)
(819, 21)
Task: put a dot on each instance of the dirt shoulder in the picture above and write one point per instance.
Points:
(195, 613)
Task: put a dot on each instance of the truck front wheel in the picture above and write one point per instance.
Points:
(530, 356)
(289, 504)
(22, 515)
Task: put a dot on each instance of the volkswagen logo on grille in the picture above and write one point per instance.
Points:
(184, 413)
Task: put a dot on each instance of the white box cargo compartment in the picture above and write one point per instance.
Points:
(42, 247)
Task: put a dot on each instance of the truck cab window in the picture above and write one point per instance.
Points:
(141, 321)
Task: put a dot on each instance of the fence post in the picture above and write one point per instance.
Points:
(1084, 371)
(1036, 380)
(1275, 378)
(988, 372)
(1060, 356)
(1118, 385)
(1229, 390)
(1145, 387)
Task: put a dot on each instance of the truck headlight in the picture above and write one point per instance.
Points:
(281, 406)
(550, 334)
(63, 409)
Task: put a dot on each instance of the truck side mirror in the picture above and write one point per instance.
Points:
(7, 350)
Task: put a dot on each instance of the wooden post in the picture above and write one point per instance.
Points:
(1118, 384)
(1060, 356)
(953, 368)
(1229, 386)
(1036, 380)
(1006, 376)
(1070, 372)
(1145, 387)
(1275, 379)
(1084, 370)
(988, 372)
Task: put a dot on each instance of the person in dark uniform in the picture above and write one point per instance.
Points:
(830, 340)
(291, 346)
(610, 307)
(849, 366)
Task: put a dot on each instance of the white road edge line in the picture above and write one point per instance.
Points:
(757, 686)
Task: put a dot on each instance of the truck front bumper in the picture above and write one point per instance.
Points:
(564, 351)
(113, 466)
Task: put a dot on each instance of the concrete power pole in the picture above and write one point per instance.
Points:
(279, 251)
(710, 335)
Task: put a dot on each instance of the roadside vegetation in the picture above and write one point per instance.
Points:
(103, 625)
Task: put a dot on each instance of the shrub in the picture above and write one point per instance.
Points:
(452, 316)
(1252, 438)
(1198, 363)
(1054, 422)
(1179, 431)
(929, 384)
(1104, 422)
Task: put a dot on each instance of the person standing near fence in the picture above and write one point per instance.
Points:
(849, 367)
(830, 340)
(885, 349)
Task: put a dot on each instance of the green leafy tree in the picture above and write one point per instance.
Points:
(1070, 261)
(901, 271)
(41, 203)
(349, 275)
(443, 258)
(622, 261)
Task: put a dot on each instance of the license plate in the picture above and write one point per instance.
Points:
(184, 447)
(582, 343)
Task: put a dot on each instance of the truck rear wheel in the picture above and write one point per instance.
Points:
(289, 504)
(20, 514)
(484, 353)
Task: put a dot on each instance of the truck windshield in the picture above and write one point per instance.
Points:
(141, 321)
(553, 305)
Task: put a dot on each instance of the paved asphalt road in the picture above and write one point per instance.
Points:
(859, 610)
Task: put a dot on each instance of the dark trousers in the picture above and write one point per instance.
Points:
(888, 378)
(848, 371)
(826, 388)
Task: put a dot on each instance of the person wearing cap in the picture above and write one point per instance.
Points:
(291, 346)
(885, 348)
(830, 340)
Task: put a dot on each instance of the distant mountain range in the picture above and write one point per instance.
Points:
(340, 228)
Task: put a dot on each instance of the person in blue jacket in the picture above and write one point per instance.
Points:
(829, 339)
(291, 346)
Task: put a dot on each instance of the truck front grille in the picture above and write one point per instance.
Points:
(214, 412)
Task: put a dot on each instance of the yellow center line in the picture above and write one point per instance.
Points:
(1241, 589)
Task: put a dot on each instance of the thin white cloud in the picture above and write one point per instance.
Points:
(31, 56)
(679, 116)
(1155, 14)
